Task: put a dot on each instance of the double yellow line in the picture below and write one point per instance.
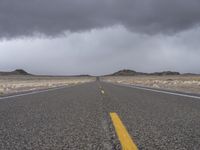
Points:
(124, 138)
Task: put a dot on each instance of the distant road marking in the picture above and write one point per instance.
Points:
(33, 92)
(159, 91)
(124, 138)
(102, 91)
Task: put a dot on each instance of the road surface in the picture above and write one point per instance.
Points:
(79, 117)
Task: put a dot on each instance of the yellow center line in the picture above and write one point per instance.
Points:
(102, 91)
(123, 135)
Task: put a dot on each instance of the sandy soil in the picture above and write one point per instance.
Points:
(189, 84)
(14, 84)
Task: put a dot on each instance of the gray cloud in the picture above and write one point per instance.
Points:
(53, 17)
(103, 51)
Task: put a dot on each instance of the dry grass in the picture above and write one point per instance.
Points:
(13, 84)
(190, 84)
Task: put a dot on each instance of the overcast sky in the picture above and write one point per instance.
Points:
(65, 37)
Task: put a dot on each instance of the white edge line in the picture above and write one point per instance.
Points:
(34, 92)
(158, 91)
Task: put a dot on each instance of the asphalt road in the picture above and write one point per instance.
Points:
(78, 118)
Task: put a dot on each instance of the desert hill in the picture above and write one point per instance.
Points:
(127, 72)
(15, 72)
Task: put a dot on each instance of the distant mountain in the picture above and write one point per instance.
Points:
(165, 73)
(16, 72)
(84, 75)
(190, 74)
(127, 72)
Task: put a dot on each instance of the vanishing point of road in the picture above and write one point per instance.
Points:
(100, 116)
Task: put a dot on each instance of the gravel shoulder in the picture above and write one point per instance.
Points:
(18, 84)
(181, 83)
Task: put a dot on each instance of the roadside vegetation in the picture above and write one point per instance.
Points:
(182, 83)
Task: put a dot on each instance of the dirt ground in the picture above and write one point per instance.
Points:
(14, 84)
(182, 83)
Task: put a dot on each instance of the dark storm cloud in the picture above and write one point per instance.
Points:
(52, 17)
(103, 51)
